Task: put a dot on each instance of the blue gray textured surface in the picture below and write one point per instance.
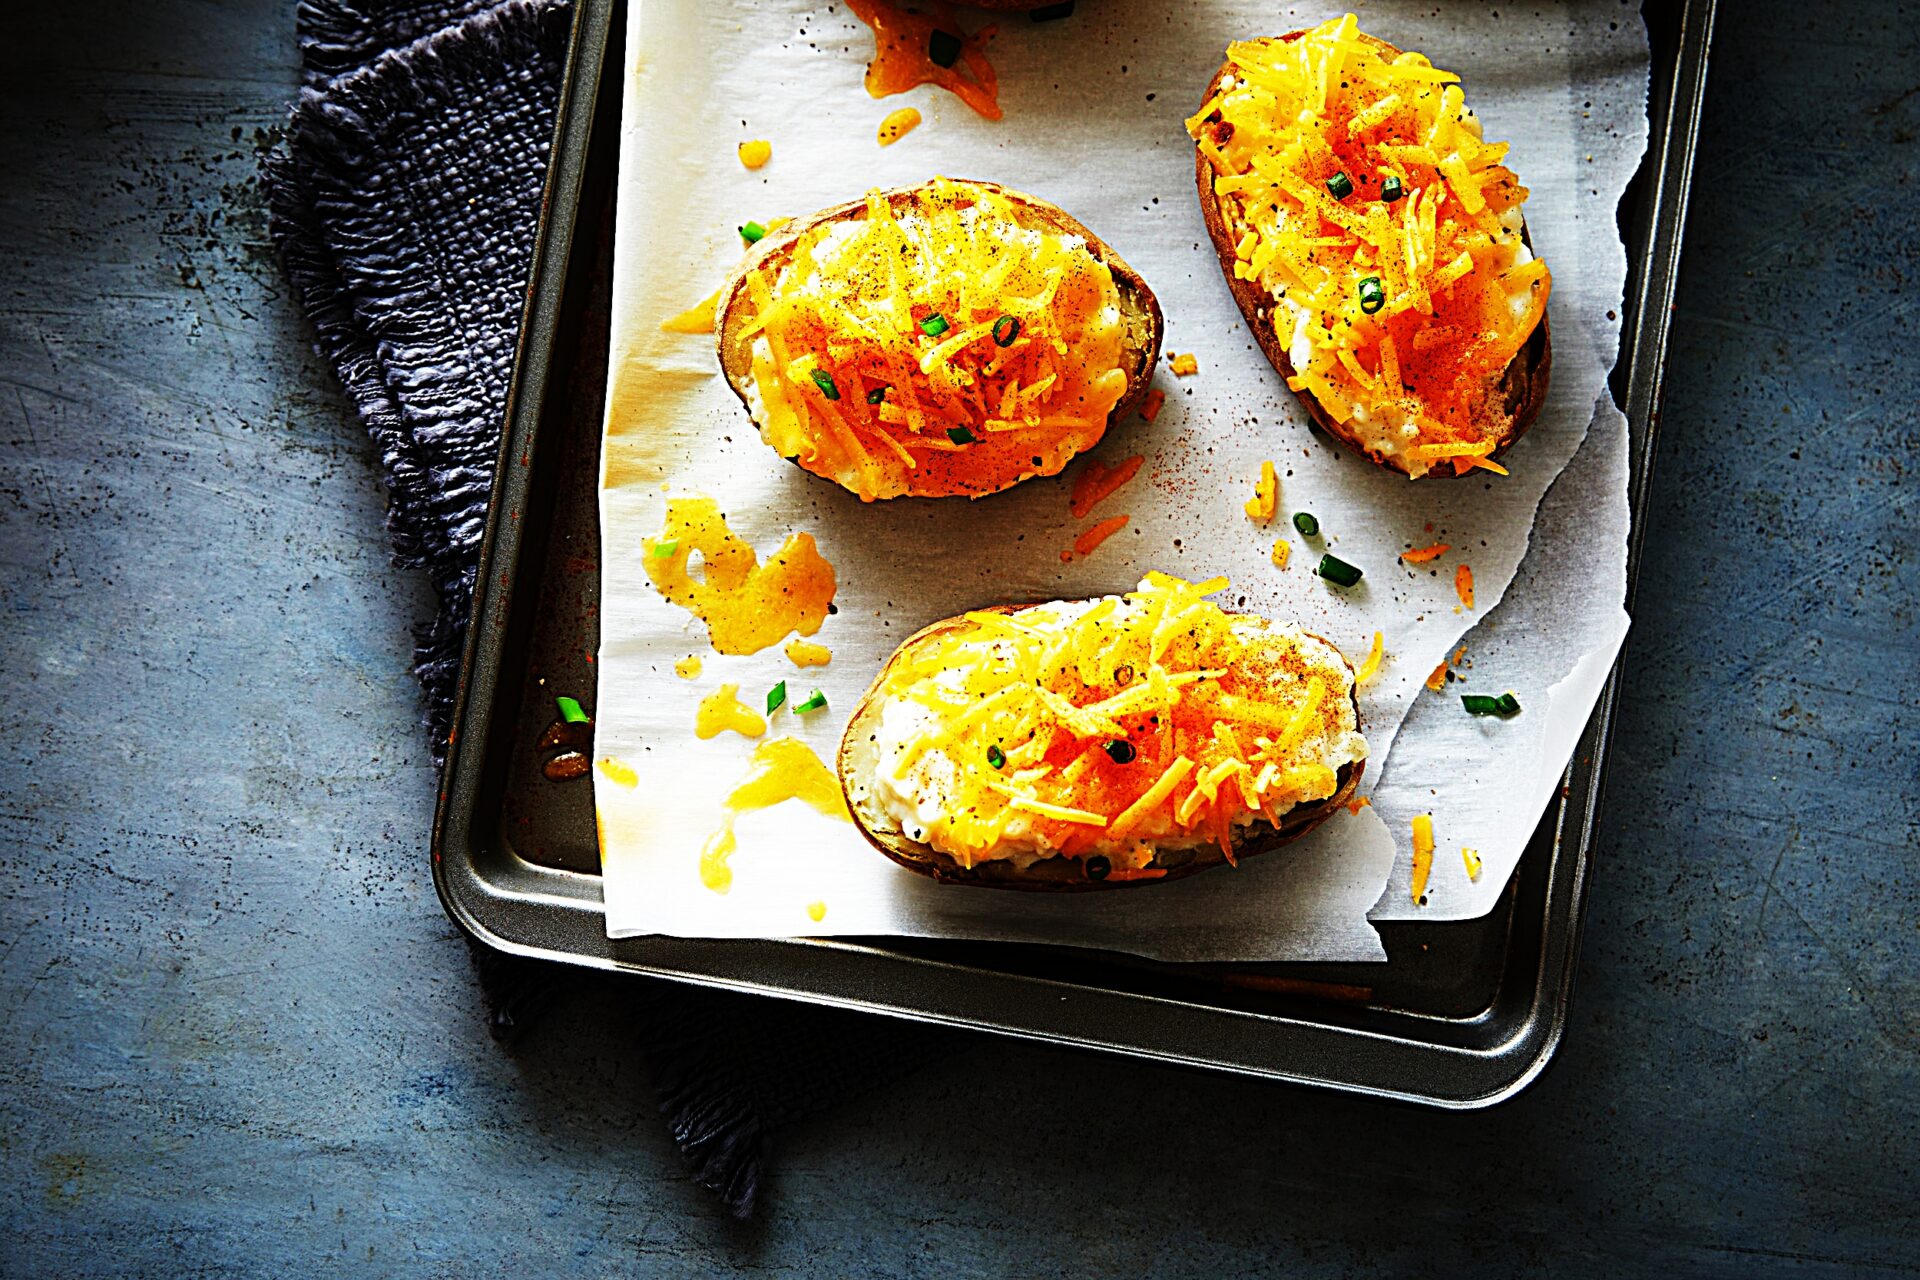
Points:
(237, 1037)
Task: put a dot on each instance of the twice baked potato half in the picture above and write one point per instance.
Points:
(1090, 744)
(943, 339)
(1376, 246)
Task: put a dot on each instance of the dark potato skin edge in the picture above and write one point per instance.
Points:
(1057, 874)
(774, 248)
(1524, 384)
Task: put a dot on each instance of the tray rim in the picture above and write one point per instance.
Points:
(849, 973)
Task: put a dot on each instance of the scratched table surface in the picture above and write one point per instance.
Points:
(237, 1036)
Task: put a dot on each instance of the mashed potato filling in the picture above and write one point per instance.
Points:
(1110, 728)
(934, 346)
(1363, 199)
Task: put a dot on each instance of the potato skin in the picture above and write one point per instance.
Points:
(1057, 874)
(1140, 309)
(1523, 385)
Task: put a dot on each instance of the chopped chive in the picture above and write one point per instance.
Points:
(1340, 186)
(1120, 751)
(1390, 188)
(752, 233)
(1338, 571)
(814, 702)
(824, 380)
(776, 696)
(1372, 296)
(996, 757)
(876, 395)
(1305, 522)
(665, 548)
(934, 325)
(943, 48)
(570, 711)
(1005, 330)
(960, 435)
(1051, 12)
(1480, 704)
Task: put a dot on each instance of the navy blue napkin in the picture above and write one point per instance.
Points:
(404, 207)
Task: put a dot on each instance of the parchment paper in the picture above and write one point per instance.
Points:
(1094, 107)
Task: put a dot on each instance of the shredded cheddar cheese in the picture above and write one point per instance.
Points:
(898, 125)
(688, 668)
(756, 153)
(1463, 585)
(805, 653)
(1371, 667)
(695, 319)
(933, 345)
(1422, 856)
(1116, 726)
(1151, 403)
(1282, 552)
(1360, 195)
(1266, 495)
(1092, 538)
(1438, 680)
(1420, 555)
(618, 772)
(1471, 857)
(1184, 366)
(1097, 482)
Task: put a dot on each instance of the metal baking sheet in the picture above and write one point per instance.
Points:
(1461, 1015)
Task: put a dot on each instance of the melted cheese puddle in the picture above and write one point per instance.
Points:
(783, 769)
(745, 604)
(721, 710)
(901, 60)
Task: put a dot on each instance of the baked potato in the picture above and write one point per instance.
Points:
(1090, 744)
(1376, 246)
(942, 339)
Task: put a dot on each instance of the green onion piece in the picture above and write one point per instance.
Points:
(776, 696)
(1338, 571)
(1372, 296)
(570, 711)
(824, 380)
(752, 233)
(1390, 189)
(1120, 751)
(934, 325)
(1340, 186)
(1304, 521)
(1480, 704)
(996, 757)
(814, 702)
(876, 395)
(1005, 330)
(665, 548)
(943, 48)
(959, 435)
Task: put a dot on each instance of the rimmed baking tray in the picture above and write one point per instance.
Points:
(1461, 1015)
